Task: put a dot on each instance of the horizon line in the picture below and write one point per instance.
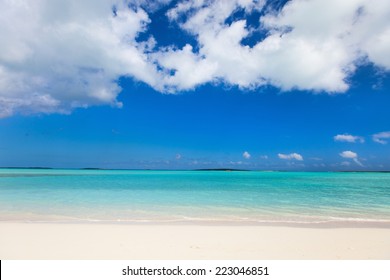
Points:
(198, 169)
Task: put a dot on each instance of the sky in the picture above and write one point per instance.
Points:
(193, 84)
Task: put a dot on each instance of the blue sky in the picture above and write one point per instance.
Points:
(264, 85)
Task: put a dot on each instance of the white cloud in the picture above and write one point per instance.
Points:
(351, 155)
(264, 157)
(290, 156)
(373, 32)
(58, 55)
(378, 137)
(246, 155)
(190, 69)
(348, 154)
(348, 138)
(312, 45)
(178, 156)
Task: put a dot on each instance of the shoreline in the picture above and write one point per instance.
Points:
(213, 223)
(24, 240)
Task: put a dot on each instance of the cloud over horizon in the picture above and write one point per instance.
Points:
(348, 138)
(60, 55)
(351, 155)
(295, 156)
(246, 155)
(379, 137)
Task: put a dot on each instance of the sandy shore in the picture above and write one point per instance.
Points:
(104, 241)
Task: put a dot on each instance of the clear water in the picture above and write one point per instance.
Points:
(186, 196)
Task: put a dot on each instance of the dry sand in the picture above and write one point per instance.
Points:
(105, 241)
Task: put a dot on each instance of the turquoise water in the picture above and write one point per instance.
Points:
(193, 196)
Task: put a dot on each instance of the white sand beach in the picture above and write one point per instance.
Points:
(116, 241)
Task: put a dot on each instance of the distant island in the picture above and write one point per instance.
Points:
(220, 169)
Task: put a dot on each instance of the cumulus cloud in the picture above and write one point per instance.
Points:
(348, 138)
(351, 155)
(246, 155)
(311, 45)
(190, 69)
(290, 156)
(348, 154)
(379, 137)
(58, 55)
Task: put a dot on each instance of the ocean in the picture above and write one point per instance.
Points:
(238, 197)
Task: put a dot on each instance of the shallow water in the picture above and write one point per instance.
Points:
(187, 196)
